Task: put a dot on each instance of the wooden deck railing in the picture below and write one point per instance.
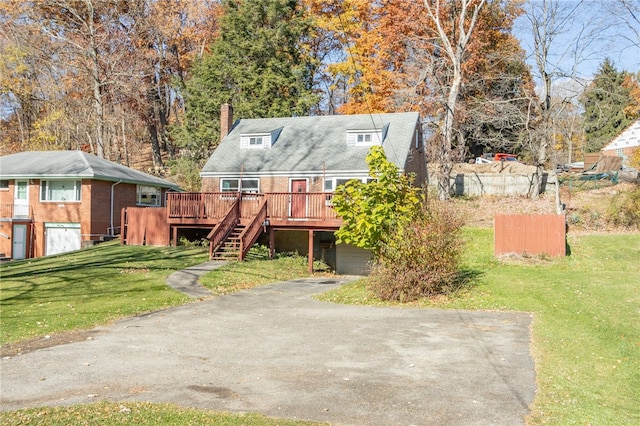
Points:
(304, 205)
(280, 205)
(199, 205)
(253, 230)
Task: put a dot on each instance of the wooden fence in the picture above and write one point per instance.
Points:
(148, 226)
(530, 234)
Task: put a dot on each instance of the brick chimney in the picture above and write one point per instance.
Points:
(226, 120)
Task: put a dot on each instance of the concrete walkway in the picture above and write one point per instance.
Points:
(186, 281)
(277, 351)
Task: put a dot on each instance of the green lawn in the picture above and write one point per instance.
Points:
(137, 414)
(89, 287)
(586, 332)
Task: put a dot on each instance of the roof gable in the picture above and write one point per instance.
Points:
(629, 138)
(319, 143)
(72, 164)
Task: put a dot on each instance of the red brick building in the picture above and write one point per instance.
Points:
(58, 201)
(274, 177)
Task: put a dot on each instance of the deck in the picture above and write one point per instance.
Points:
(284, 210)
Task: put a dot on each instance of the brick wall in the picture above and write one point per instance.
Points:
(93, 212)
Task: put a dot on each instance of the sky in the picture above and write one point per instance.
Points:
(590, 32)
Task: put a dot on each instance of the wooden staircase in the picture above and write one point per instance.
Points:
(229, 249)
(231, 239)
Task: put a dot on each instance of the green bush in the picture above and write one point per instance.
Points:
(421, 258)
(184, 241)
(624, 209)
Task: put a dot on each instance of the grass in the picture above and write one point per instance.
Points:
(586, 332)
(82, 289)
(258, 270)
(135, 413)
(94, 286)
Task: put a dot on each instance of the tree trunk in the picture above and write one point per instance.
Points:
(98, 102)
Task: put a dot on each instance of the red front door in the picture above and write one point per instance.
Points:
(299, 198)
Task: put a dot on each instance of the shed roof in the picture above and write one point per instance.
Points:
(312, 144)
(73, 164)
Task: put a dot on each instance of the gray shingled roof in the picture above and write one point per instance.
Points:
(307, 144)
(72, 164)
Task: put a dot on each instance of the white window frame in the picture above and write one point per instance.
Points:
(364, 137)
(47, 188)
(237, 181)
(4, 184)
(155, 198)
(255, 141)
(330, 184)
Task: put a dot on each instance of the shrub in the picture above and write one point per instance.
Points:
(625, 209)
(186, 242)
(420, 258)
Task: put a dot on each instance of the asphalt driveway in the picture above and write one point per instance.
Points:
(277, 351)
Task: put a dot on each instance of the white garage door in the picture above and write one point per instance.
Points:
(62, 237)
(352, 260)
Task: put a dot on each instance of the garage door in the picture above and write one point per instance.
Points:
(62, 237)
(352, 260)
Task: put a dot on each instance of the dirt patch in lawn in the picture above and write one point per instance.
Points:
(48, 341)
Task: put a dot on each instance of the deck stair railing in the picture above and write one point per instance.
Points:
(222, 230)
(253, 230)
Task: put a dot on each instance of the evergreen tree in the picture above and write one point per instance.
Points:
(604, 103)
(259, 64)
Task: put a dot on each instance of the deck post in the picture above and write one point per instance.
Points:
(310, 251)
(272, 243)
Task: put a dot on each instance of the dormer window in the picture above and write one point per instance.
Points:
(364, 137)
(256, 141)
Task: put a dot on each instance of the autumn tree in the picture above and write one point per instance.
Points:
(370, 51)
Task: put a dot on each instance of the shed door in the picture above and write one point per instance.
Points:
(299, 198)
(62, 237)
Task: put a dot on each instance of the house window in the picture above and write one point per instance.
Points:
(620, 152)
(257, 141)
(330, 184)
(4, 185)
(364, 137)
(149, 196)
(233, 185)
(60, 190)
